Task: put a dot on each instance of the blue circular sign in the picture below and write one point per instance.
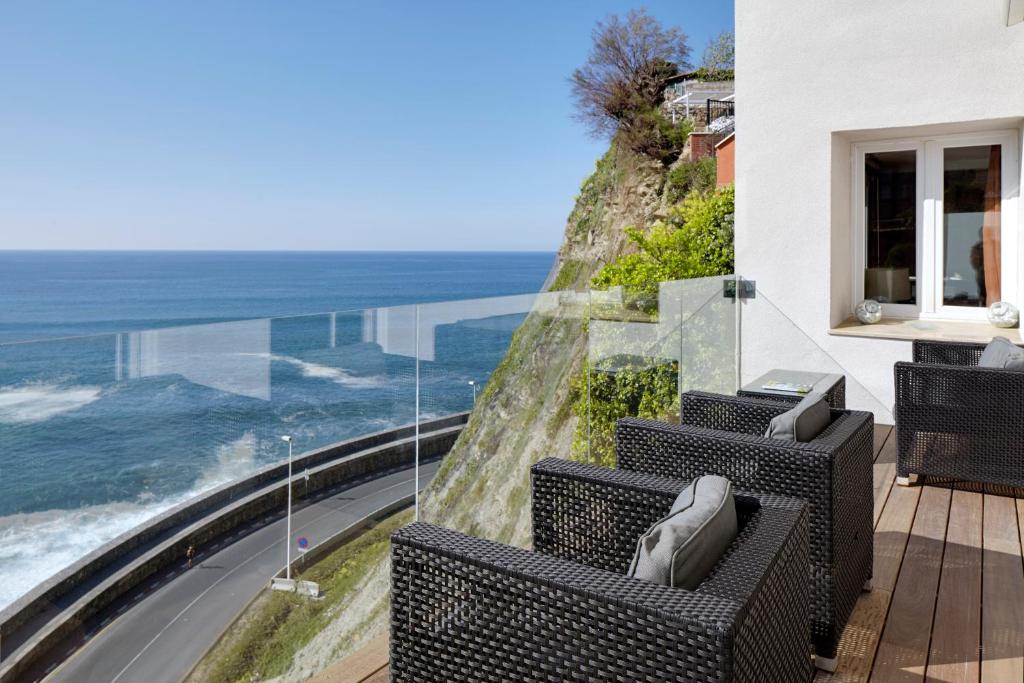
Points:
(303, 542)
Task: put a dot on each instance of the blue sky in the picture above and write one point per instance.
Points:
(257, 125)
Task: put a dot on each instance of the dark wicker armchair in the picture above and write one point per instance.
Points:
(955, 420)
(724, 435)
(467, 609)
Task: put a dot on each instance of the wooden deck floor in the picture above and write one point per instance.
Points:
(948, 597)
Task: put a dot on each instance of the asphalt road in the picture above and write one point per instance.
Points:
(159, 632)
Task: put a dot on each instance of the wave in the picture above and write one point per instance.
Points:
(235, 460)
(336, 375)
(36, 545)
(39, 402)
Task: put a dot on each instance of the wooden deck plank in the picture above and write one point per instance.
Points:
(882, 434)
(948, 595)
(884, 473)
(954, 656)
(362, 666)
(860, 639)
(903, 650)
(381, 676)
(1002, 623)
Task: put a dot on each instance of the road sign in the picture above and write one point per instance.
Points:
(303, 543)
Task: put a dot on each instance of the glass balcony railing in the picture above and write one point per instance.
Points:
(179, 430)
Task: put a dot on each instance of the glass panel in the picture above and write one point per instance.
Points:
(644, 350)
(972, 194)
(890, 210)
(102, 434)
(775, 349)
(515, 362)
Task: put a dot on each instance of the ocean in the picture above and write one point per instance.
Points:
(131, 381)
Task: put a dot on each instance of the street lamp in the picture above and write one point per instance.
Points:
(473, 384)
(288, 536)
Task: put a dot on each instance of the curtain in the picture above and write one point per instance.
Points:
(991, 227)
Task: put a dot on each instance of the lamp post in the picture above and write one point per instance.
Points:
(288, 536)
(473, 384)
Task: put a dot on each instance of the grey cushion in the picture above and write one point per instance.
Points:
(809, 418)
(681, 549)
(1002, 353)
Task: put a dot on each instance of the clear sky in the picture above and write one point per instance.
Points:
(298, 125)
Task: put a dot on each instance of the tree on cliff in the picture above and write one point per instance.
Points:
(619, 90)
(719, 60)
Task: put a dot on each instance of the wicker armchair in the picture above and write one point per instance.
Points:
(467, 609)
(956, 420)
(724, 435)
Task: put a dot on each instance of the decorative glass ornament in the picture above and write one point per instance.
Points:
(1002, 314)
(869, 311)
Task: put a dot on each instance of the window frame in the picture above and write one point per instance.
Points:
(929, 222)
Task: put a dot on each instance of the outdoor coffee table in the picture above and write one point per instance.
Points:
(831, 385)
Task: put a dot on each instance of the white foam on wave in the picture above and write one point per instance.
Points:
(36, 545)
(336, 375)
(39, 402)
(234, 461)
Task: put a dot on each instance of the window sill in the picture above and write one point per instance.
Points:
(935, 330)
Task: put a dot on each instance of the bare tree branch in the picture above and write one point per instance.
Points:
(624, 77)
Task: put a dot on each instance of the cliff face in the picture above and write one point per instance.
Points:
(525, 412)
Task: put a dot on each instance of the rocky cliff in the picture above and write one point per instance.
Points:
(525, 412)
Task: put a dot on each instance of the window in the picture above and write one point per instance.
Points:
(934, 224)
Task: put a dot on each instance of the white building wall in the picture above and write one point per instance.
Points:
(813, 76)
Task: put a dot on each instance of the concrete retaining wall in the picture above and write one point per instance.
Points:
(57, 607)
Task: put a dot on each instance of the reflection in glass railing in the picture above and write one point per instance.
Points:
(523, 407)
(772, 341)
(101, 433)
(643, 351)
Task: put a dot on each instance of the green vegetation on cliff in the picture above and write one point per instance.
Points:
(694, 240)
(280, 624)
(643, 216)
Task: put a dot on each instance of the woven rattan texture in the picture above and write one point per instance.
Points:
(724, 435)
(467, 609)
(957, 421)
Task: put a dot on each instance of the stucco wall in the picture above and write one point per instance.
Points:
(853, 71)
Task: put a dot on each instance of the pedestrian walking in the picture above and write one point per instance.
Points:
(189, 554)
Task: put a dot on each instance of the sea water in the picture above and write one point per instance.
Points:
(130, 382)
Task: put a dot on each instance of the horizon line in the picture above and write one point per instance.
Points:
(278, 251)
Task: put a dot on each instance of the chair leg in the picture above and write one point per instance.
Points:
(908, 480)
(827, 664)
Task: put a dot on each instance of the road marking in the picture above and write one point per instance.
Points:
(237, 567)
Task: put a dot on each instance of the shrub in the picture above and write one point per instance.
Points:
(694, 240)
(651, 133)
(691, 176)
(641, 387)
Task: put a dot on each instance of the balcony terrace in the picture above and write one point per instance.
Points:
(948, 596)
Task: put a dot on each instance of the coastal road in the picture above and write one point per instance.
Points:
(159, 631)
